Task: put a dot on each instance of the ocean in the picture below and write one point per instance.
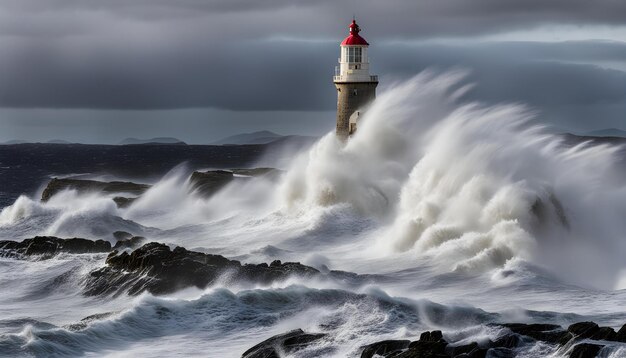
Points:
(463, 216)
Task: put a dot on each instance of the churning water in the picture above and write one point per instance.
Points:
(468, 214)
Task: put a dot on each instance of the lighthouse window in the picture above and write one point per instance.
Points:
(354, 54)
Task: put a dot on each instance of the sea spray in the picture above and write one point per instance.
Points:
(66, 214)
(491, 187)
(460, 186)
(22, 208)
(470, 185)
(369, 171)
(174, 201)
(433, 200)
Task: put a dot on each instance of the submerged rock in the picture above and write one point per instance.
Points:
(289, 342)
(84, 186)
(49, 246)
(84, 323)
(156, 268)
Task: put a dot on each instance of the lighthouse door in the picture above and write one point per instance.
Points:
(354, 118)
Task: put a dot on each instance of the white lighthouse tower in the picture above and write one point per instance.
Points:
(355, 86)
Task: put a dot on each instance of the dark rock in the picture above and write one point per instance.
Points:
(349, 278)
(270, 173)
(296, 343)
(288, 342)
(621, 334)
(262, 352)
(475, 353)
(549, 333)
(132, 243)
(458, 350)
(85, 321)
(47, 246)
(123, 202)
(29, 164)
(501, 353)
(421, 352)
(82, 186)
(84, 246)
(508, 341)
(430, 345)
(583, 330)
(434, 336)
(159, 270)
(605, 334)
(122, 235)
(210, 182)
(384, 348)
(478, 353)
(585, 350)
(533, 327)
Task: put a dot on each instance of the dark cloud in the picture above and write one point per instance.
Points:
(277, 55)
(545, 77)
(248, 77)
(394, 19)
(275, 75)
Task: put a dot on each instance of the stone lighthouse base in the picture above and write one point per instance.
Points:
(351, 97)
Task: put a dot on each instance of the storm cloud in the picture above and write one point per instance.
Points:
(278, 55)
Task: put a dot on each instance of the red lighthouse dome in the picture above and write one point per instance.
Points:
(354, 39)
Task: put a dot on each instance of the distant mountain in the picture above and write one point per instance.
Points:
(58, 141)
(260, 137)
(298, 140)
(608, 132)
(15, 141)
(159, 140)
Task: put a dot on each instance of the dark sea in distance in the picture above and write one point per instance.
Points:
(26, 168)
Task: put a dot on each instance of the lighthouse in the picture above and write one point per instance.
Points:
(355, 86)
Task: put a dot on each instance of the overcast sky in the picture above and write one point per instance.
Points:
(99, 71)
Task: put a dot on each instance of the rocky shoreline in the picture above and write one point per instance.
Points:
(158, 269)
(133, 266)
(57, 185)
(204, 183)
(44, 247)
(579, 340)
